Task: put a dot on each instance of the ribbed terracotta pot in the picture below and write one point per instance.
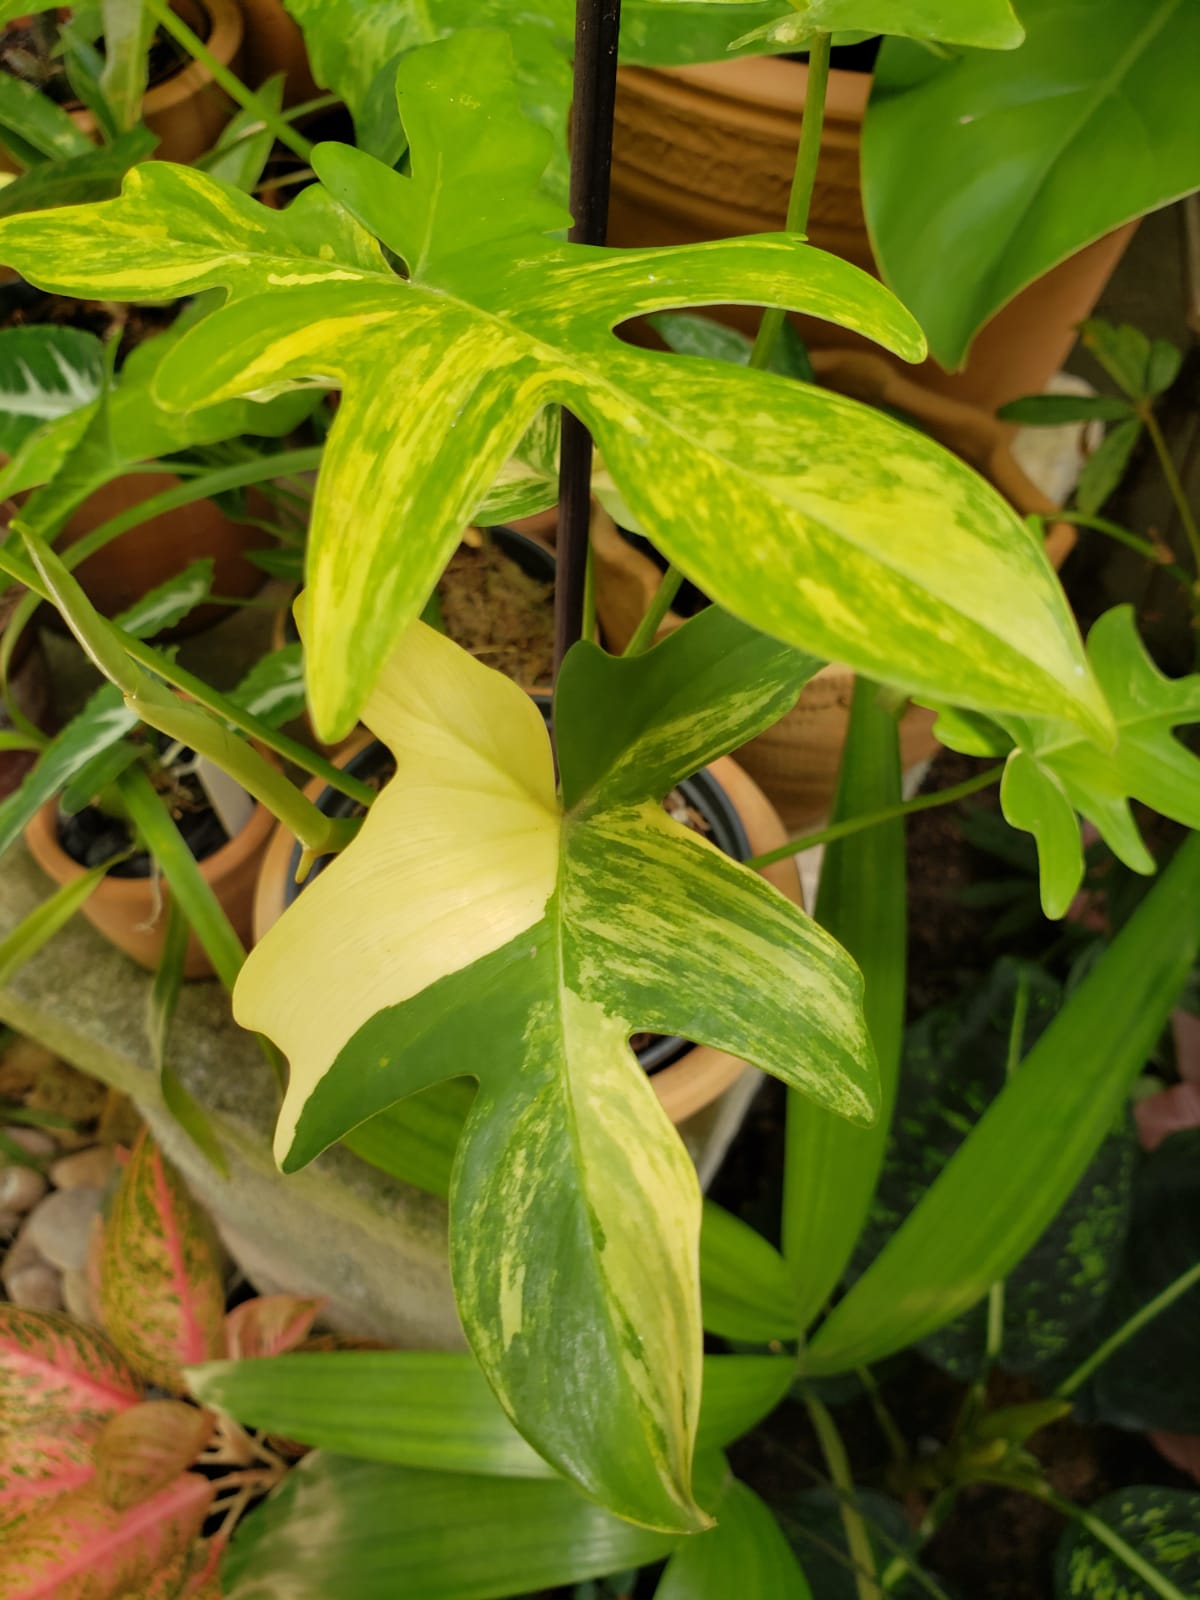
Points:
(707, 152)
(132, 912)
(700, 1076)
(796, 761)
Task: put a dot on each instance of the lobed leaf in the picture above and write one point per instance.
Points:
(161, 1295)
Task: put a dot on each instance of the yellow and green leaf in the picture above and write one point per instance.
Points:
(476, 929)
(57, 1372)
(778, 499)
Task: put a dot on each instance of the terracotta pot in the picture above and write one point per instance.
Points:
(701, 1075)
(707, 152)
(796, 761)
(274, 43)
(131, 912)
(138, 561)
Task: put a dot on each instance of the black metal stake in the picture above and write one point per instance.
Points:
(597, 26)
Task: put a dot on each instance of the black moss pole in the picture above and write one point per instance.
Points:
(597, 26)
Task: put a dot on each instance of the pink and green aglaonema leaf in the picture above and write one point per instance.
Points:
(494, 321)
(140, 1451)
(56, 1373)
(81, 1548)
(269, 1325)
(161, 1295)
(37, 1466)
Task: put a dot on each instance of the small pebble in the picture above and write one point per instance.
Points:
(77, 1295)
(20, 1188)
(36, 1289)
(86, 1169)
(9, 1223)
(22, 1253)
(34, 1141)
(61, 1225)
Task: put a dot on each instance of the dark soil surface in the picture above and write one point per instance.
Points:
(92, 836)
(21, 305)
(28, 51)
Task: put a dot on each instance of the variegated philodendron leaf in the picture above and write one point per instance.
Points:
(45, 373)
(833, 527)
(161, 1295)
(987, 24)
(1052, 773)
(476, 928)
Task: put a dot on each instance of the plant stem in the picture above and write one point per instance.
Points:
(808, 153)
(660, 604)
(938, 1510)
(233, 86)
(887, 1423)
(597, 29)
(1174, 485)
(1134, 1324)
(1132, 541)
(1125, 1553)
(857, 1541)
(842, 830)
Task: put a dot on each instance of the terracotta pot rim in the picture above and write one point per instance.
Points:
(701, 1074)
(41, 835)
(770, 83)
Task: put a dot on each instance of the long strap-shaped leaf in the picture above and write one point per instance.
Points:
(1011, 1175)
(745, 1554)
(831, 1165)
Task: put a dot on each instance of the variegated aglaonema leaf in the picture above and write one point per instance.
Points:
(475, 928)
(161, 1297)
(828, 525)
(1052, 773)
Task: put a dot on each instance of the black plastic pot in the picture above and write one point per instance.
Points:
(701, 791)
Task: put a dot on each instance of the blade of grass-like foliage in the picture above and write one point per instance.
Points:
(831, 1167)
(128, 29)
(164, 997)
(746, 1553)
(746, 1290)
(40, 926)
(33, 128)
(1014, 1171)
(76, 179)
(245, 145)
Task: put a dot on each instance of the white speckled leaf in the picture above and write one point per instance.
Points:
(474, 929)
(834, 528)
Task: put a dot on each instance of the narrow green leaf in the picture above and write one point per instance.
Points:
(1161, 1527)
(179, 867)
(690, 334)
(273, 689)
(1105, 467)
(160, 1012)
(746, 1553)
(40, 126)
(1014, 1171)
(746, 1291)
(128, 29)
(1123, 351)
(40, 926)
(168, 603)
(78, 179)
(1162, 367)
(245, 145)
(416, 1140)
(1053, 410)
(103, 769)
(389, 1531)
(831, 1167)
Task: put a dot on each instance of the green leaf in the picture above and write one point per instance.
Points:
(1053, 771)
(161, 1295)
(831, 1168)
(197, 901)
(387, 1531)
(568, 1171)
(746, 1291)
(1163, 367)
(245, 145)
(46, 372)
(128, 29)
(1013, 1173)
(688, 334)
(956, 1063)
(813, 1523)
(160, 1013)
(103, 722)
(42, 128)
(78, 179)
(1160, 1526)
(1151, 1380)
(1080, 130)
(731, 447)
(990, 25)
(170, 602)
(1137, 366)
(1105, 467)
(40, 926)
(416, 1140)
(744, 1554)
(273, 689)
(1053, 410)
(434, 1409)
